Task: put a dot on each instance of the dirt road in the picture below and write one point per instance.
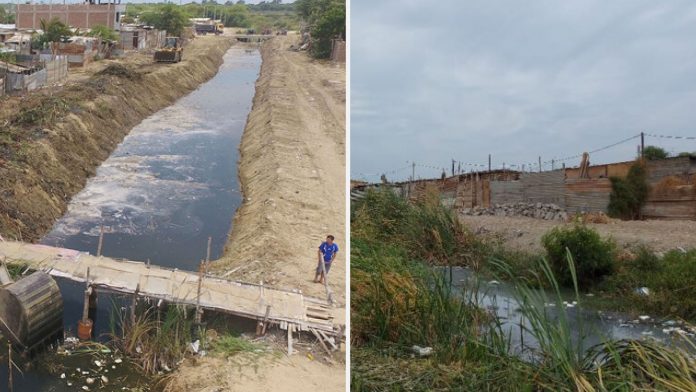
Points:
(292, 171)
(524, 233)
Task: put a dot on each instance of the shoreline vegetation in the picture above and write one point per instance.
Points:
(398, 302)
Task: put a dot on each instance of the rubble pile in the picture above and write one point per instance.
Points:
(546, 211)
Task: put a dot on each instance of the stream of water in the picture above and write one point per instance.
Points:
(170, 185)
(588, 325)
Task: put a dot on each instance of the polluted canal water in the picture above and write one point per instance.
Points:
(169, 186)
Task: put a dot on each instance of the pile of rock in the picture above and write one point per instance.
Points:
(544, 211)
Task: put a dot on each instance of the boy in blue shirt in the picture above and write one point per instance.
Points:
(327, 251)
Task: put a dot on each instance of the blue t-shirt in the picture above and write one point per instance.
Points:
(328, 250)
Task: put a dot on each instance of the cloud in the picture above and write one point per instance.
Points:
(432, 81)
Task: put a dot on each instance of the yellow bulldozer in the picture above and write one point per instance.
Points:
(171, 52)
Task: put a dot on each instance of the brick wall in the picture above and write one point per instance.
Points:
(82, 16)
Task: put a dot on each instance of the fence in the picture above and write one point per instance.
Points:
(672, 184)
(338, 50)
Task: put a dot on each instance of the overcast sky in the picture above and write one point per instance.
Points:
(437, 80)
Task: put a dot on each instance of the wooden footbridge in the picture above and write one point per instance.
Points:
(290, 310)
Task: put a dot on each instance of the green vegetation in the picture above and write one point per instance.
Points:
(104, 32)
(154, 340)
(167, 17)
(628, 195)
(398, 302)
(653, 153)
(594, 256)
(5, 16)
(326, 20)
(669, 279)
(260, 16)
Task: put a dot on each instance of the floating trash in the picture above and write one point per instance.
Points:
(118, 360)
(85, 388)
(494, 282)
(62, 375)
(104, 379)
(98, 363)
(644, 318)
(642, 291)
(89, 380)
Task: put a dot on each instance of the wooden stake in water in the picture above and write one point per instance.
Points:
(101, 240)
(199, 313)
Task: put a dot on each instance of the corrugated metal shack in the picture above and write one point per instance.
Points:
(672, 185)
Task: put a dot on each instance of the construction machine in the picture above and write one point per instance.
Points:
(171, 52)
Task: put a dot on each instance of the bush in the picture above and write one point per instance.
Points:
(594, 257)
(628, 194)
(653, 153)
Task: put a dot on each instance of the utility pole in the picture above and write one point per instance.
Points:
(539, 164)
(453, 167)
(642, 144)
(489, 162)
(413, 170)
(552, 164)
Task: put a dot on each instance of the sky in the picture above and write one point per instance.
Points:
(450, 79)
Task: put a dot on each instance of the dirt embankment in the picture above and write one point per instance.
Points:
(52, 140)
(292, 171)
(522, 233)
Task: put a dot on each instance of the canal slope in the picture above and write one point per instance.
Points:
(54, 139)
(292, 172)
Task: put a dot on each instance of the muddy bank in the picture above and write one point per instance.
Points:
(55, 140)
(292, 172)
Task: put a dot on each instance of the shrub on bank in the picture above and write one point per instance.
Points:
(593, 256)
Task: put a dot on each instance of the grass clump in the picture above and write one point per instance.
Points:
(120, 71)
(155, 340)
(594, 256)
(229, 345)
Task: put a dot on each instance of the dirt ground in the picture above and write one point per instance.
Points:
(292, 170)
(282, 373)
(523, 233)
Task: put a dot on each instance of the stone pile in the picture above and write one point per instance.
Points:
(544, 211)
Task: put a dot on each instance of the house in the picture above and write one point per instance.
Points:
(80, 15)
(80, 50)
(20, 43)
(134, 37)
(22, 78)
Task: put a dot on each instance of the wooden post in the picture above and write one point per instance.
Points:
(101, 240)
(134, 303)
(199, 313)
(265, 319)
(540, 164)
(207, 254)
(10, 387)
(290, 339)
(642, 144)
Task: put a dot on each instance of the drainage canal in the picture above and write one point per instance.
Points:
(168, 187)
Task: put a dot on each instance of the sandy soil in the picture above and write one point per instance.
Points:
(240, 373)
(292, 170)
(524, 233)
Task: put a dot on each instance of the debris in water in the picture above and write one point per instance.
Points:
(98, 363)
(422, 351)
(642, 291)
(118, 360)
(644, 318)
(89, 380)
(85, 388)
(104, 379)
(494, 282)
(62, 375)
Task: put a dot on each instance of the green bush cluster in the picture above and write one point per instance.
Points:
(593, 256)
(628, 195)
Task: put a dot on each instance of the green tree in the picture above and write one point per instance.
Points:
(168, 17)
(104, 32)
(652, 153)
(54, 31)
(326, 20)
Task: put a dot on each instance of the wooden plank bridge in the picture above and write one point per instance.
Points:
(290, 310)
